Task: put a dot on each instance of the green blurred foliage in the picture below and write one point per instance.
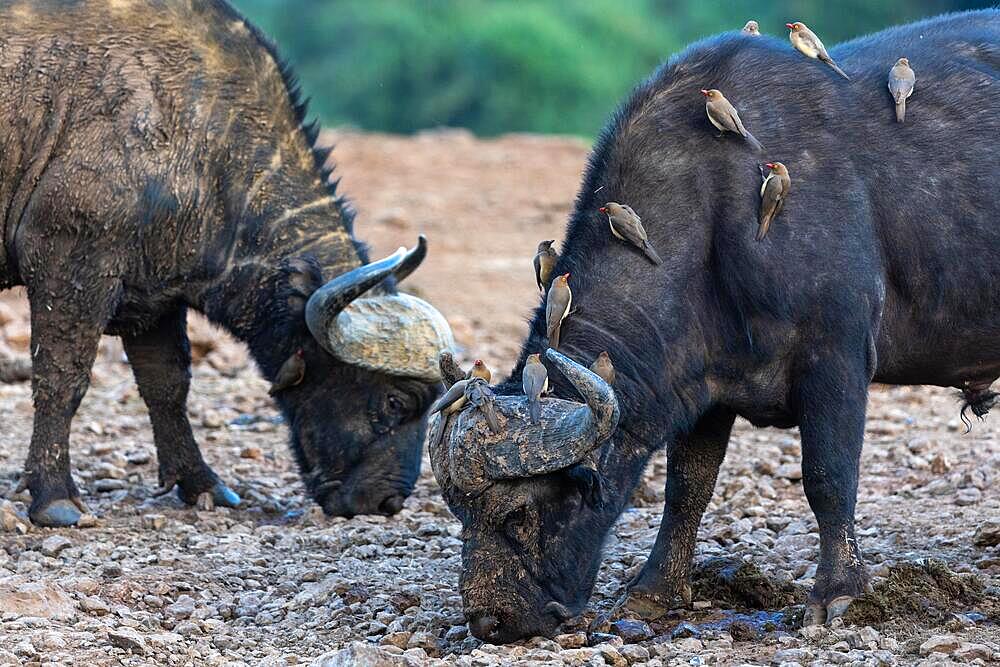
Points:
(493, 66)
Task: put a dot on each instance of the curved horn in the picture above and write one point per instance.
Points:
(326, 303)
(566, 433)
(396, 334)
(411, 260)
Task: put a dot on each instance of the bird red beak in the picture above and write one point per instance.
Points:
(790, 26)
(566, 276)
(769, 165)
(704, 92)
(603, 209)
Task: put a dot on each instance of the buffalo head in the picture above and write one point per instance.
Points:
(518, 494)
(357, 417)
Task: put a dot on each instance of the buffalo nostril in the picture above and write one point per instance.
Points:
(483, 627)
(391, 505)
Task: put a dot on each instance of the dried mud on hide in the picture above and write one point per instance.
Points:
(734, 583)
(923, 592)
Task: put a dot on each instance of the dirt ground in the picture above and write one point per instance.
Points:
(277, 583)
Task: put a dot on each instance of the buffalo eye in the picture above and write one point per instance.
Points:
(517, 525)
(391, 409)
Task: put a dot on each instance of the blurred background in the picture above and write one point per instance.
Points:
(496, 66)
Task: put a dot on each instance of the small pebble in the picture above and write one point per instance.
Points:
(52, 546)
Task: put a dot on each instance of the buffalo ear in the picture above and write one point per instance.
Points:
(588, 482)
(299, 277)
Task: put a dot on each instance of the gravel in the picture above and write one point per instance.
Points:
(278, 583)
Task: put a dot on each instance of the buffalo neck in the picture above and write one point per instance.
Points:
(658, 348)
(660, 382)
(286, 232)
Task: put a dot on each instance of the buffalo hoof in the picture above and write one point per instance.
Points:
(205, 501)
(224, 496)
(648, 608)
(58, 513)
(219, 495)
(838, 607)
(818, 614)
(815, 614)
(652, 606)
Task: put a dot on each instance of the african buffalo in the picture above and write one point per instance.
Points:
(154, 159)
(884, 266)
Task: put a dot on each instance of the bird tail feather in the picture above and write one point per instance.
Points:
(762, 229)
(753, 142)
(647, 248)
(535, 410)
(901, 111)
(490, 412)
(554, 338)
(837, 69)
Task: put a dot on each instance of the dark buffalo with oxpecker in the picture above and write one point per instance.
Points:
(155, 158)
(884, 265)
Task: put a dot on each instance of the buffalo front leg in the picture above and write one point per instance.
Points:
(832, 422)
(692, 468)
(161, 362)
(66, 328)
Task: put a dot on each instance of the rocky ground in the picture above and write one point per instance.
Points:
(150, 582)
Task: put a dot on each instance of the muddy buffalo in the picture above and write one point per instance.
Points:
(884, 266)
(154, 158)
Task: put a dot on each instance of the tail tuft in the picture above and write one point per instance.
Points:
(980, 401)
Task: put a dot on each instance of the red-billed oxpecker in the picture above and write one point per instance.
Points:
(901, 82)
(290, 373)
(808, 44)
(773, 192)
(604, 368)
(627, 226)
(557, 305)
(722, 114)
(545, 262)
(535, 382)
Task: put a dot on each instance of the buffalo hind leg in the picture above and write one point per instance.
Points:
(833, 399)
(66, 328)
(692, 468)
(161, 363)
